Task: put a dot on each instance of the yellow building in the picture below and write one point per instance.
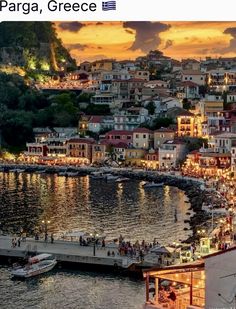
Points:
(134, 156)
(83, 124)
(186, 124)
(102, 65)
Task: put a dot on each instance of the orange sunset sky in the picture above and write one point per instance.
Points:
(128, 40)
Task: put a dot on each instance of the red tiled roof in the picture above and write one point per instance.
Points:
(95, 119)
(142, 130)
(189, 84)
(185, 113)
(119, 132)
(120, 145)
(81, 140)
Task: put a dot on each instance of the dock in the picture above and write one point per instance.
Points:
(66, 252)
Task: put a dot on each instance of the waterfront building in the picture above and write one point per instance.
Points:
(134, 156)
(205, 283)
(83, 124)
(150, 160)
(162, 135)
(119, 151)
(80, 148)
(171, 153)
(143, 138)
(100, 152)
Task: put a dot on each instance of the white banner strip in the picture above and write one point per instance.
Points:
(117, 10)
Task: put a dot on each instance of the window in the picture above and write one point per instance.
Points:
(144, 135)
(190, 78)
(137, 136)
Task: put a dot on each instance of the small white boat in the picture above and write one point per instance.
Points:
(153, 185)
(37, 265)
(122, 179)
(72, 174)
(17, 170)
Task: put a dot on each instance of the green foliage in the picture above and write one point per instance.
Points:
(186, 104)
(34, 46)
(93, 109)
(151, 108)
(84, 98)
(194, 143)
(158, 123)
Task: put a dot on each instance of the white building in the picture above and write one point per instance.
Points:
(196, 77)
(220, 280)
(223, 142)
(143, 138)
(171, 153)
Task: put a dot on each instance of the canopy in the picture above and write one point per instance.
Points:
(39, 257)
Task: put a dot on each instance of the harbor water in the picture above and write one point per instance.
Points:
(85, 204)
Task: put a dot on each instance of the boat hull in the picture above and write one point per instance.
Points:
(33, 272)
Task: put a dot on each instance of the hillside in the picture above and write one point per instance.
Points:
(32, 46)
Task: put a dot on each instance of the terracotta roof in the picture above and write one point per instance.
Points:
(95, 119)
(192, 72)
(120, 145)
(119, 132)
(185, 113)
(189, 84)
(81, 140)
(142, 130)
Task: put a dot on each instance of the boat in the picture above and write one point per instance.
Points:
(97, 175)
(37, 265)
(17, 170)
(110, 177)
(153, 185)
(72, 174)
(122, 179)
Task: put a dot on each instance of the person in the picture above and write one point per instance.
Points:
(103, 243)
(13, 242)
(108, 253)
(18, 242)
(46, 237)
(113, 253)
(52, 238)
(172, 295)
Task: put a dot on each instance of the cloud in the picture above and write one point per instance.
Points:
(232, 42)
(76, 46)
(168, 44)
(147, 34)
(73, 26)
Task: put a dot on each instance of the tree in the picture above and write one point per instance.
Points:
(151, 108)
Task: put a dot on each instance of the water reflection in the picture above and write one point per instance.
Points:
(86, 204)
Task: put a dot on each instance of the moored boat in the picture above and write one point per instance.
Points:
(153, 185)
(97, 175)
(122, 179)
(37, 265)
(110, 177)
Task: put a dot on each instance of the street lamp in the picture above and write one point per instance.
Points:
(94, 237)
(46, 222)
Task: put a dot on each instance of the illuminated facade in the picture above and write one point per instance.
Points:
(186, 124)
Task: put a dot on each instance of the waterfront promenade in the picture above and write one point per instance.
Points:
(66, 251)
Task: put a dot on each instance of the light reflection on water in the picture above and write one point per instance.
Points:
(70, 289)
(87, 205)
